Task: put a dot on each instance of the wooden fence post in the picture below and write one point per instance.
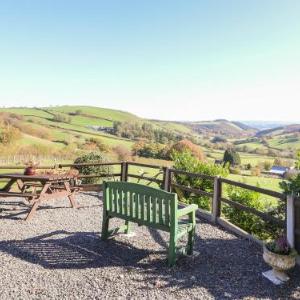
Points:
(216, 202)
(290, 220)
(124, 171)
(166, 179)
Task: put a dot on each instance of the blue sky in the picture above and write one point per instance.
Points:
(179, 60)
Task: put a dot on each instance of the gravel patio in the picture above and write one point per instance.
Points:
(59, 255)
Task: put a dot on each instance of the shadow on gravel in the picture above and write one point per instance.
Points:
(226, 268)
(14, 210)
(65, 250)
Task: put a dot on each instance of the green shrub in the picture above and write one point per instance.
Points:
(93, 170)
(186, 161)
(298, 160)
(9, 135)
(61, 118)
(96, 144)
(231, 157)
(248, 221)
(291, 186)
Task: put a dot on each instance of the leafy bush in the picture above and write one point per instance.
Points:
(61, 118)
(231, 157)
(298, 160)
(93, 170)
(283, 163)
(150, 150)
(187, 162)
(248, 221)
(9, 135)
(138, 130)
(219, 139)
(186, 145)
(95, 144)
(291, 186)
(122, 153)
(267, 165)
(256, 172)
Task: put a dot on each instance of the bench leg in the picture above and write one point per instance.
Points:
(127, 229)
(105, 226)
(172, 250)
(191, 234)
(190, 245)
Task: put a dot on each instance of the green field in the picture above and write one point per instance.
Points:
(42, 131)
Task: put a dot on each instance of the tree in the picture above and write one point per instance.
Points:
(186, 145)
(186, 161)
(9, 135)
(231, 157)
(122, 152)
(93, 170)
(219, 139)
(298, 160)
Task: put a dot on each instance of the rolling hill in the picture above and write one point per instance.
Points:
(64, 127)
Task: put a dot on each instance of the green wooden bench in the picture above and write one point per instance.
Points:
(151, 207)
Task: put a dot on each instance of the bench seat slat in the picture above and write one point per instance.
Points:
(154, 210)
(148, 201)
(131, 203)
(160, 211)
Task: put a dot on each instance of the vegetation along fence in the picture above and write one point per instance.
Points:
(228, 209)
(296, 222)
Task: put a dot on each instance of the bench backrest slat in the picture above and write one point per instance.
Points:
(139, 202)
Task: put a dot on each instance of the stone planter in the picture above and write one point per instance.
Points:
(280, 264)
(30, 171)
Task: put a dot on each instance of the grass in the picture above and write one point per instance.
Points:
(103, 113)
(263, 182)
(27, 112)
(85, 121)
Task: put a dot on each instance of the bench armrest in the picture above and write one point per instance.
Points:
(187, 210)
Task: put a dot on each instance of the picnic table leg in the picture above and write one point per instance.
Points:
(21, 185)
(8, 186)
(71, 194)
(37, 202)
(32, 211)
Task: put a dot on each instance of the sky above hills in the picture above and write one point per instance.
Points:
(176, 60)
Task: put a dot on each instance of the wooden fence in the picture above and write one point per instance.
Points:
(165, 178)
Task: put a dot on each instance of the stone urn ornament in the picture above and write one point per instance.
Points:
(281, 257)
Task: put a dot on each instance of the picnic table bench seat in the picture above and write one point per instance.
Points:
(151, 207)
(17, 194)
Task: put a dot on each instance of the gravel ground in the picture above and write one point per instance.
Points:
(59, 255)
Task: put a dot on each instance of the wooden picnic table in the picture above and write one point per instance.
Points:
(43, 188)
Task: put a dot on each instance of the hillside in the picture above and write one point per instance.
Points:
(223, 128)
(71, 129)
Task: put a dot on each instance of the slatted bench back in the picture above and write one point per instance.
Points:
(139, 203)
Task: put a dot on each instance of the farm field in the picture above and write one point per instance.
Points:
(41, 131)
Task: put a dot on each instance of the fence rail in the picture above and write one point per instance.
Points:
(167, 179)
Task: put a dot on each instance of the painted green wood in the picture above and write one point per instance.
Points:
(147, 206)
(160, 211)
(154, 210)
(131, 199)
